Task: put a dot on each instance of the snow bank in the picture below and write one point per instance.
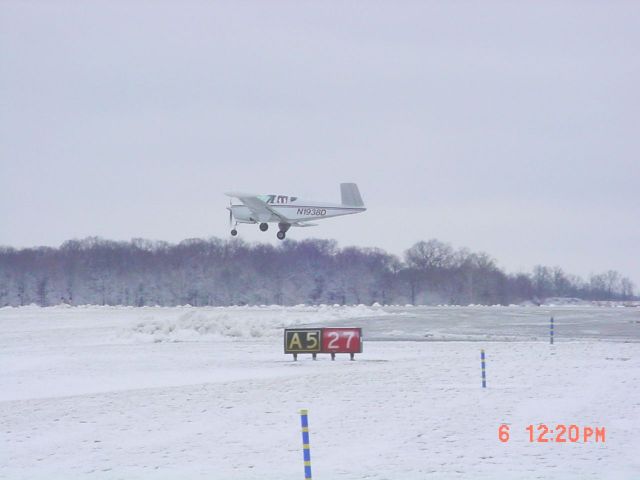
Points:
(197, 324)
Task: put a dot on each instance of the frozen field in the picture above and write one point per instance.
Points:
(206, 393)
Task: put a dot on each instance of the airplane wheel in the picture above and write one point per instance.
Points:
(264, 227)
(234, 232)
(280, 235)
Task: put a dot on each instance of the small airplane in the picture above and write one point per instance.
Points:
(289, 211)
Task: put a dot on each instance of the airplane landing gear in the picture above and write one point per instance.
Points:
(234, 232)
(283, 230)
(264, 227)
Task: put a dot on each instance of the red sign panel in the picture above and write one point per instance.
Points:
(341, 340)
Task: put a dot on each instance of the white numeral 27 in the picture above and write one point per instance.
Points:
(336, 335)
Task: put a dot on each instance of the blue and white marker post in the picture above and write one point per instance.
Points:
(484, 375)
(306, 450)
(551, 331)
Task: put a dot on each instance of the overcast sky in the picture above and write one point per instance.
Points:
(507, 127)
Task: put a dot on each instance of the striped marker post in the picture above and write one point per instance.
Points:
(484, 375)
(306, 451)
(551, 331)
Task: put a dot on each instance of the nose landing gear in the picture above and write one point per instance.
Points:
(234, 232)
(281, 235)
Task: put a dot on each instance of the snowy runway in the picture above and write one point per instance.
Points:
(207, 393)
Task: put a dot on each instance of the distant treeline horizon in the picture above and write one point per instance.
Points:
(220, 272)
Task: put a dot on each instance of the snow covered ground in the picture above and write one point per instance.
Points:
(159, 393)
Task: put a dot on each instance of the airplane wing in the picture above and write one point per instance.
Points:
(262, 210)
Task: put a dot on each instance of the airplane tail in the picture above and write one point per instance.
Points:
(351, 195)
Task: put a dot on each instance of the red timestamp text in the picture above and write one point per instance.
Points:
(560, 433)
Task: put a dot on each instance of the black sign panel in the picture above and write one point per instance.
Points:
(302, 340)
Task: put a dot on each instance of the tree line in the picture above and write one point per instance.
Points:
(232, 272)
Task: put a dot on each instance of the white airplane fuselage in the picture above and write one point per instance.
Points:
(299, 210)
